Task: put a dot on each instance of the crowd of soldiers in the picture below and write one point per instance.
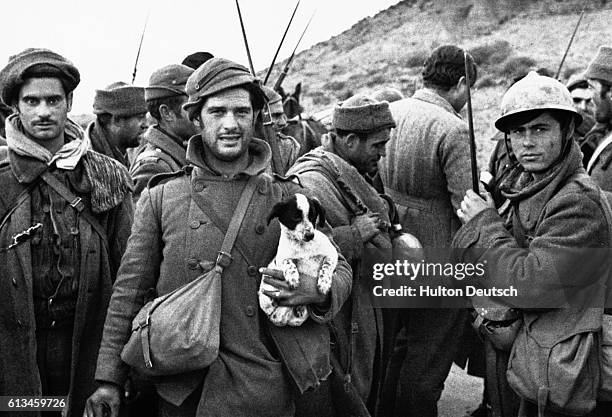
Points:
(98, 221)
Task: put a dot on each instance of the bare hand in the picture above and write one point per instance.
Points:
(368, 225)
(306, 293)
(104, 402)
(473, 204)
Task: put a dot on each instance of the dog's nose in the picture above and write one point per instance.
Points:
(308, 236)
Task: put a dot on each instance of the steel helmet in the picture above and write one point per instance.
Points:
(535, 92)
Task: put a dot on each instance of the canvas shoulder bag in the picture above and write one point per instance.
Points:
(179, 331)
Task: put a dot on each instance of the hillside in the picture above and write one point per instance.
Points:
(506, 37)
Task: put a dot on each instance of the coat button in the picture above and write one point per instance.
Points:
(260, 229)
(250, 311)
(252, 270)
(262, 188)
(198, 186)
(194, 224)
(192, 263)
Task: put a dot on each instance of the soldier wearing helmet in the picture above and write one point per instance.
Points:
(550, 203)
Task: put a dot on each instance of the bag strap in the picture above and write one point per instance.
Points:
(224, 257)
(75, 202)
(18, 201)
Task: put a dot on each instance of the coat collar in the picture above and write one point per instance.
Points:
(167, 142)
(259, 153)
(430, 96)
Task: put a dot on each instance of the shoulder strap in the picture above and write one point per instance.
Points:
(20, 199)
(345, 197)
(76, 203)
(600, 148)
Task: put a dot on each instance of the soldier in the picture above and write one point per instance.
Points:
(537, 245)
(599, 74)
(120, 111)
(288, 147)
(176, 236)
(426, 172)
(165, 142)
(71, 208)
(353, 149)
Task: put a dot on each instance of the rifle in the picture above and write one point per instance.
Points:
(569, 45)
(473, 161)
(283, 74)
(144, 29)
(268, 129)
(280, 44)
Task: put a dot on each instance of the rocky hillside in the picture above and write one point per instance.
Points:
(506, 37)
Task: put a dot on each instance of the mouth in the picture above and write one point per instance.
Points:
(230, 138)
(530, 156)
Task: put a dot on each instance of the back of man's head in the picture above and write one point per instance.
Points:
(445, 66)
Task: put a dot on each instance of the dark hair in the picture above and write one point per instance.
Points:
(581, 84)
(563, 117)
(344, 133)
(173, 102)
(256, 95)
(445, 66)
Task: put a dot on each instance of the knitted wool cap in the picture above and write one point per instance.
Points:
(601, 66)
(120, 99)
(14, 74)
(215, 76)
(167, 82)
(362, 114)
(272, 96)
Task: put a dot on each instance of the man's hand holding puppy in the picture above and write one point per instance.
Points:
(306, 293)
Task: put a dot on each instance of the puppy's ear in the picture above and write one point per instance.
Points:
(319, 210)
(276, 211)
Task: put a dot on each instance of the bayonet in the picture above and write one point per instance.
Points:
(473, 161)
(569, 45)
(280, 44)
(144, 29)
(246, 42)
(283, 74)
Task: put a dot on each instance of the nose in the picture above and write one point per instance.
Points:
(230, 122)
(308, 236)
(582, 105)
(43, 110)
(382, 152)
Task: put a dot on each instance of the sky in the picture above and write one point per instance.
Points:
(101, 37)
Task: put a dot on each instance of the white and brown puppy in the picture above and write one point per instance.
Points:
(303, 252)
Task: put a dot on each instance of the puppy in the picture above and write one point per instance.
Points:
(302, 251)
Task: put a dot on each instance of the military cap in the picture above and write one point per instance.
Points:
(36, 62)
(120, 99)
(600, 67)
(215, 76)
(167, 82)
(576, 80)
(362, 114)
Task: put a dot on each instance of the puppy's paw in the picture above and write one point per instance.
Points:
(292, 276)
(281, 316)
(266, 303)
(324, 280)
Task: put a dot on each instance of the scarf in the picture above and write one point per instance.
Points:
(108, 181)
(67, 157)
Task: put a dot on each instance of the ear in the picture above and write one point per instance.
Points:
(69, 101)
(319, 210)
(165, 112)
(298, 91)
(276, 211)
(461, 82)
(351, 140)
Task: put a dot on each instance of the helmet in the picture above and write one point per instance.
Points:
(535, 92)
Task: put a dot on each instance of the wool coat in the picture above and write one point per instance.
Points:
(532, 249)
(19, 374)
(326, 174)
(260, 367)
(161, 153)
(601, 171)
(427, 172)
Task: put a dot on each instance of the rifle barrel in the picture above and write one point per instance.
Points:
(283, 74)
(280, 44)
(571, 40)
(474, 164)
(246, 42)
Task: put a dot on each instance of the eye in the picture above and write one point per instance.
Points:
(30, 101)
